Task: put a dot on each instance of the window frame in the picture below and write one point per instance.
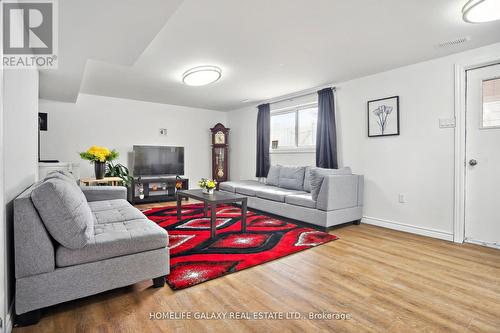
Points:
(481, 107)
(293, 149)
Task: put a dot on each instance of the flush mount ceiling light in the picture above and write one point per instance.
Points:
(201, 75)
(477, 11)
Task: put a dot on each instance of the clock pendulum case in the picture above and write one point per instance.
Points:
(220, 158)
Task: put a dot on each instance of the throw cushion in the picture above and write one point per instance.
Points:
(292, 177)
(318, 174)
(273, 176)
(64, 212)
(307, 179)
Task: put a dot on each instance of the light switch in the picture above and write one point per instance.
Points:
(401, 198)
(446, 122)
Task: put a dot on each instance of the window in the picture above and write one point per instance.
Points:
(283, 129)
(294, 128)
(307, 126)
(491, 103)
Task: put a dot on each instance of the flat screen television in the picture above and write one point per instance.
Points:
(158, 161)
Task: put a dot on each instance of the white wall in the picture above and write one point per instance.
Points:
(19, 130)
(419, 163)
(121, 123)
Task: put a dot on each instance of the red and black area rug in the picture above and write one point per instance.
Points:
(196, 258)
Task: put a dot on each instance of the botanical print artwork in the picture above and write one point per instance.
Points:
(382, 112)
(383, 117)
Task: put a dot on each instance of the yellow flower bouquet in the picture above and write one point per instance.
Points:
(99, 154)
(207, 185)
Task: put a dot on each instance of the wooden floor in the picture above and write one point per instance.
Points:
(388, 281)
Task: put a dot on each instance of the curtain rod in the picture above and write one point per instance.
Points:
(291, 97)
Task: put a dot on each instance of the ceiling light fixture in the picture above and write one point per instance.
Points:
(478, 11)
(201, 75)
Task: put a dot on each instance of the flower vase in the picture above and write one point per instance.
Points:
(208, 190)
(100, 169)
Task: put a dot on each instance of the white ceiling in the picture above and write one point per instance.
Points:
(266, 48)
(115, 31)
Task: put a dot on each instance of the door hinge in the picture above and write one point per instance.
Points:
(1, 323)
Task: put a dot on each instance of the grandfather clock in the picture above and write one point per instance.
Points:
(220, 166)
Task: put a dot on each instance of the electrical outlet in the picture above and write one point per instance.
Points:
(401, 198)
(163, 131)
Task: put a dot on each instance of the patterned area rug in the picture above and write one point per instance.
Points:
(196, 258)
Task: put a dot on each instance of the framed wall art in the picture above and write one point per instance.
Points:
(383, 116)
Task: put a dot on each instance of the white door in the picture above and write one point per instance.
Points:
(482, 178)
(3, 238)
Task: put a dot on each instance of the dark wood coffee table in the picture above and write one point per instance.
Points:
(213, 200)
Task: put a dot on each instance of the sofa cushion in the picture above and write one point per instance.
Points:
(275, 193)
(97, 206)
(317, 175)
(304, 200)
(307, 179)
(292, 177)
(120, 214)
(231, 186)
(117, 210)
(113, 240)
(64, 212)
(249, 189)
(273, 176)
(103, 193)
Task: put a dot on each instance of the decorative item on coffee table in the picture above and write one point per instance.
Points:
(99, 156)
(207, 185)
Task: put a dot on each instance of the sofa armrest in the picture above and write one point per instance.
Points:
(361, 189)
(100, 193)
(33, 248)
(339, 191)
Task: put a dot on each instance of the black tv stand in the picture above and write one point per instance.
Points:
(146, 189)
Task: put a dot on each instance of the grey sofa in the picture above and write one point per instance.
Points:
(324, 197)
(72, 242)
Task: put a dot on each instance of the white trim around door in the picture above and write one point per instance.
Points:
(5, 323)
(460, 128)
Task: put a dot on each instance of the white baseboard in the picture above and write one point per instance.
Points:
(409, 228)
(487, 244)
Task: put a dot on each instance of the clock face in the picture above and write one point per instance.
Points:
(219, 138)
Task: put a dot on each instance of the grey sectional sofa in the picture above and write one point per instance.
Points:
(324, 197)
(72, 242)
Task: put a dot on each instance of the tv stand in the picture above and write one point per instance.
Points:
(146, 189)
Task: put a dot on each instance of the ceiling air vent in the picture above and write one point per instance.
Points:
(454, 42)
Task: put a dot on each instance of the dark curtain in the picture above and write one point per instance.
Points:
(326, 134)
(263, 140)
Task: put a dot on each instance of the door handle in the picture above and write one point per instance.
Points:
(472, 162)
